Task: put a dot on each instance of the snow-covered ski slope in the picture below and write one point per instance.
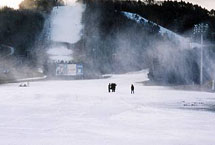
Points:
(66, 22)
(141, 20)
(82, 112)
(65, 27)
(163, 31)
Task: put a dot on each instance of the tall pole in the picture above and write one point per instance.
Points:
(201, 29)
(201, 63)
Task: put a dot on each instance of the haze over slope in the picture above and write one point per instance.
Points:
(66, 22)
(65, 27)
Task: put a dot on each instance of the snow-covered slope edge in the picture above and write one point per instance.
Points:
(163, 31)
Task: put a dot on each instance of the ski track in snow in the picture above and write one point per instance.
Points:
(81, 112)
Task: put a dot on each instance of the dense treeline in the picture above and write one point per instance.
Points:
(21, 29)
(179, 17)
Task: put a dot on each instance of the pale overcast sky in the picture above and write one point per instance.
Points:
(10, 3)
(209, 4)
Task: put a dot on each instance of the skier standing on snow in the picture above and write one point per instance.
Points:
(113, 87)
(109, 87)
(132, 89)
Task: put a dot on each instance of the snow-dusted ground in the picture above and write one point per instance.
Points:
(82, 112)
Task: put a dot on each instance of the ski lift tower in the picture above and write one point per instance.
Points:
(201, 29)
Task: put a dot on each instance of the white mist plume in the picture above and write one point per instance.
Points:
(70, 2)
(176, 55)
(66, 22)
(60, 53)
(66, 27)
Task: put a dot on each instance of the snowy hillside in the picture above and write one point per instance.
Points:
(182, 40)
(82, 112)
(142, 20)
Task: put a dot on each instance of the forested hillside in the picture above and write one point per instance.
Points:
(20, 30)
(177, 16)
(113, 43)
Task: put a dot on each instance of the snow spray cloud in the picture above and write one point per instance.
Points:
(66, 22)
(12, 67)
(62, 29)
(63, 26)
(170, 57)
(112, 44)
(116, 43)
(66, 27)
(179, 62)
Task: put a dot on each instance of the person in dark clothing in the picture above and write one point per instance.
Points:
(109, 87)
(113, 87)
(132, 89)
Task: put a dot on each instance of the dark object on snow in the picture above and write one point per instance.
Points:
(132, 89)
(112, 87)
(26, 84)
(109, 87)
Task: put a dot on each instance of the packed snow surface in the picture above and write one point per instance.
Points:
(82, 112)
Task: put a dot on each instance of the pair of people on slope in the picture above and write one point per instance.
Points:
(112, 86)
